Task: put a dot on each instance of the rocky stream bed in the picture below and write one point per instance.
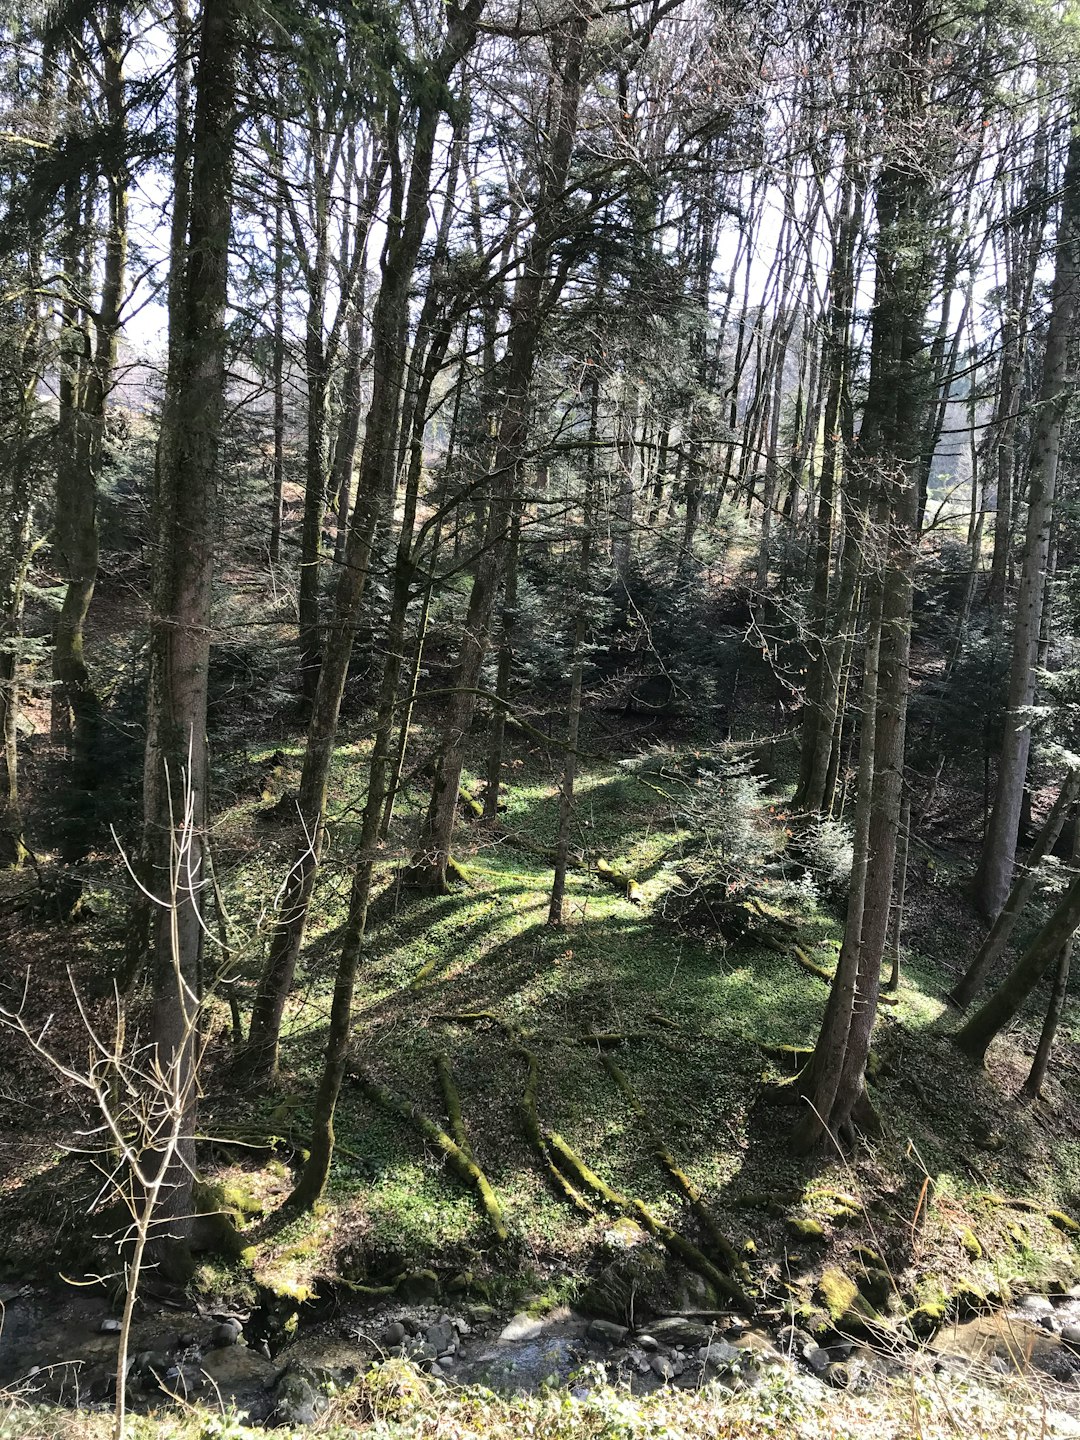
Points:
(60, 1346)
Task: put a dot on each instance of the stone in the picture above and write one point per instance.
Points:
(681, 1330)
(418, 1286)
(442, 1337)
(817, 1359)
(394, 1334)
(1070, 1335)
(238, 1372)
(794, 1340)
(1036, 1305)
(662, 1368)
(109, 1327)
(297, 1400)
(639, 1360)
(227, 1333)
(647, 1342)
(436, 1371)
(720, 1356)
(839, 1374)
(607, 1332)
(521, 1327)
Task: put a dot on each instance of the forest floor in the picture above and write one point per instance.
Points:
(967, 1187)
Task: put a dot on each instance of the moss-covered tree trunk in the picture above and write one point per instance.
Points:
(1023, 887)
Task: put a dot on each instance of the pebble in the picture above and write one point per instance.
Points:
(109, 1327)
(646, 1342)
(394, 1334)
(662, 1367)
(227, 1333)
(1070, 1335)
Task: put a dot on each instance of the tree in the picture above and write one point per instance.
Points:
(186, 513)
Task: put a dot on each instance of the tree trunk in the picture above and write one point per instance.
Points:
(1023, 886)
(996, 865)
(377, 466)
(181, 618)
(1006, 1002)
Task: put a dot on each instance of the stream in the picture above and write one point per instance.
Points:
(60, 1345)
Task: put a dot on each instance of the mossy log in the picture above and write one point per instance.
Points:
(452, 1101)
(471, 804)
(459, 1160)
(621, 880)
(719, 1242)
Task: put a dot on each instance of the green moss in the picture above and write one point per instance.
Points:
(971, 1245)
(837, 1292)
(803, 1229)
(1064, 1222)
(926, 1320)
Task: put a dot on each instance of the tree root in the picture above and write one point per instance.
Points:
(672, 1241)
(459, 1159)
(530, 1120)
(718, 1241)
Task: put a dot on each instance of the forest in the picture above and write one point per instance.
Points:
(539, 685)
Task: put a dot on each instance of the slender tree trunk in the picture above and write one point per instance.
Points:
(375, 482)
(1023, 887)
(1006, 1002)
(999, 851)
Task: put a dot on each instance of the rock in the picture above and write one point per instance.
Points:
(297, 1400)
(631, 1284)
(647, 1342)
(639, 1360)
(109, 1327)
(238, 1373)
(817, 1359)
(1036, 1305)
(794, 1340)
(840, 1375)
(418, 1286)
(436, 1371)
(681, 1330)
(442, 1337)
(521, 1327)
(607, 1332)
(187, 1340)
(1070, 1335)
(227, 1333)
(394, 1334)
(971, 1244)
(803, 1229)
(720, 1357)
(662, 1367)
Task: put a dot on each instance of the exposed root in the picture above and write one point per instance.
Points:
(718, 1241)
(530, 1120)
(827, 975)
(673, 1242)
(459, 1159)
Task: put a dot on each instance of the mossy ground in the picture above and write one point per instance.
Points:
(695, 1013)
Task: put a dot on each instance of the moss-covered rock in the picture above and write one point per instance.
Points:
(837, 1292)
(971, 1245)
(1063, 1222)
(801, 1228)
